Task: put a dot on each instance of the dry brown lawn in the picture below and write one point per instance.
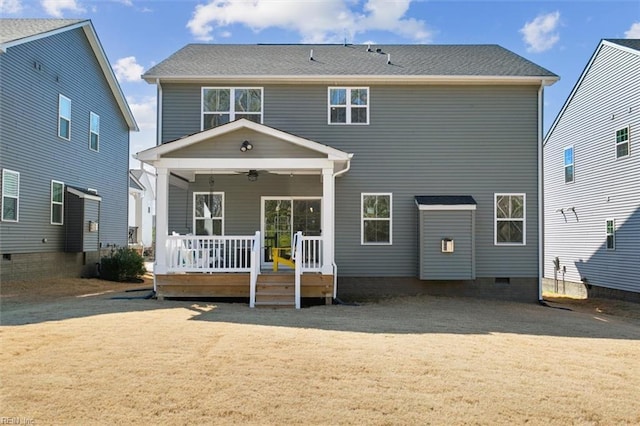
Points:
(72, 353)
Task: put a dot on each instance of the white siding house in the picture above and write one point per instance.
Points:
(592, 179)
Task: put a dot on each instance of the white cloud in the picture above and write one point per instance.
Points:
(55, 7)
(540, 34)
(144, 110)
(315, 21)
(127, 69)
(10, 6)
(634, 31)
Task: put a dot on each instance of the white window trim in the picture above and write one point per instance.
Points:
(390, 219)
(524, 218)
(53, 203)
(627, 142)
(60, 96)
(573, 164)
(613, 234)
(232, 97)
(17, 197)
(193, 210)
(347, 106)
(91, 115)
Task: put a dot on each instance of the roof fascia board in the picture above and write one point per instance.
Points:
(81, 194)
(446, 207)
(234, 164)
(621, 47)
(94, 41)
(17, 42)
(359, 79)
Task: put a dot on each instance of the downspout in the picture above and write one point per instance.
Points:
(540, 192)
(335, 267)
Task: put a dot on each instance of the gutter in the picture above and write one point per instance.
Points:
(540, 192)
(159, 112)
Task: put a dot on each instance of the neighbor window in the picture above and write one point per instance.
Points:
(208, 213)
(64, 117)
(510, 219)
(376, 218)
(57, 202)
(221, 105)
(611, 234)
(348, 105)
(94, 131)
(622, 142)
(10, 195)
(568, 165)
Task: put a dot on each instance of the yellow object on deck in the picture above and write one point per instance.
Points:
(278, 259)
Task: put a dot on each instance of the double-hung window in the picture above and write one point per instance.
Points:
(376, 226)
(510, 221)
(57, 202)
(348, 105)
(208, 213)
(622, 142)
(10, 195)
(568, 165)
(611, 234)
(64, 117)
(221, 105)
(94, 131)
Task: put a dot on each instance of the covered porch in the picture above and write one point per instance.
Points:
(245, 210)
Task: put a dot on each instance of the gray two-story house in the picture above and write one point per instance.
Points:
(64, 150)
(592, 179)
(354, 169)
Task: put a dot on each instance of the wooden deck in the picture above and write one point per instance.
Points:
(272, 289)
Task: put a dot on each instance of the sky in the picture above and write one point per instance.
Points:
(137, 34)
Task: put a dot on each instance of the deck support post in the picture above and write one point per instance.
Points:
(162, 220)
(328, 212)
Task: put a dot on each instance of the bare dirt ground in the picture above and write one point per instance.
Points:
(87, 352)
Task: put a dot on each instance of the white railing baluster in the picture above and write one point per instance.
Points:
(299, 260)
(255, 268)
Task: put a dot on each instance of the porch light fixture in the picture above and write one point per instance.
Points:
(252, 175)
(246, 146)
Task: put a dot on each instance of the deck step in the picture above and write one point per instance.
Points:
(275, 291)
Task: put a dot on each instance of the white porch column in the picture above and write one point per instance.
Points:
(328, 223)
(162, 220)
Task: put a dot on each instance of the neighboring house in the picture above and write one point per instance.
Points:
(408, 168)
(141, 208)
(592, 179)
(64, 149)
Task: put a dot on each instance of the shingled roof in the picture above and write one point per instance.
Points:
(197, 61)
(632, 43)
(17, 29)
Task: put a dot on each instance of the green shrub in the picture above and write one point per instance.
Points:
(122, 264)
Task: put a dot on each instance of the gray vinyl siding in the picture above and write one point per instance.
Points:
(31, 146)
(457, 226)
(242, 199)
(604, 187)
(421, 140)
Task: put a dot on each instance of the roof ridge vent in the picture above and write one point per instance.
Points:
(311, 55)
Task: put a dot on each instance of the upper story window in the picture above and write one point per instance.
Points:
(94, 131)
(220, 105)
(208, 213)
(57, 202)
(568, 165)
(10, 195)
(348, 105)
(510, 223)
(376, 218)
(64, 117)
(622, 142)
(611, 234)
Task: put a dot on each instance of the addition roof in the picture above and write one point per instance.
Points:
(632, 43)
(444, 200)
(318, 61)
(14, 32)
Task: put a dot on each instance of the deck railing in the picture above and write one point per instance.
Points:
(311, 256)
(202, 253)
